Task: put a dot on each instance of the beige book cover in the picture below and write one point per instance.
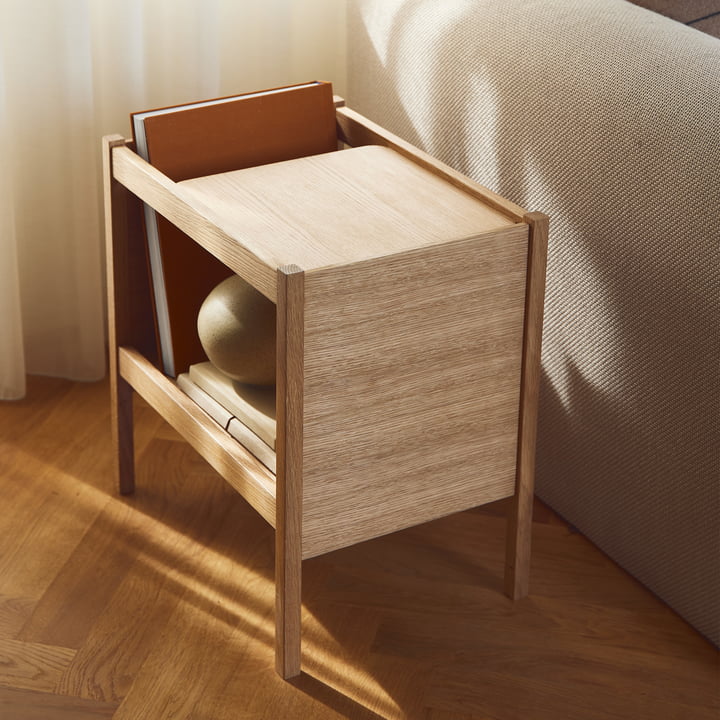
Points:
(237, 429)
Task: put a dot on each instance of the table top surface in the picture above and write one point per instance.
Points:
(340, 207)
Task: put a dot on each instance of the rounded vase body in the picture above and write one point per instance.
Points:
(236, 325)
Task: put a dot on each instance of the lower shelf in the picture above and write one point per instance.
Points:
(236, 465)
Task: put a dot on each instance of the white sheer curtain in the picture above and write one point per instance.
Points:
(70, 72)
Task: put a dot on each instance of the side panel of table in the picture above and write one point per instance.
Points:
(411, 387)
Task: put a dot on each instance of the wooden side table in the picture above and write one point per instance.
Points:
(409, 313)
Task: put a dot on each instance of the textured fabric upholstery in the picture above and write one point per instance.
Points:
(607, 117)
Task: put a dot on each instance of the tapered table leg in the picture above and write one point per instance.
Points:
(288, 530)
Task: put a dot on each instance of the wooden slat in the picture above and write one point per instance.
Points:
(243, 471)
(201, 223)
(288, 535)
(517, 571)
(355, 130)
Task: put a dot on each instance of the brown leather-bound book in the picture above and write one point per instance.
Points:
(205, 138)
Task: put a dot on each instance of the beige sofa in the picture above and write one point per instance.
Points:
(607, 117)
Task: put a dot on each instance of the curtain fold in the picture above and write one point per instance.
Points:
(12, 355)
(72, 71)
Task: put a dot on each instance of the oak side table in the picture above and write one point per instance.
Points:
(409, 313)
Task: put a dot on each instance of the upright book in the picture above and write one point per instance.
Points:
(204, 138)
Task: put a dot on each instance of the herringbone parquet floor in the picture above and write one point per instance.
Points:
(160, 606)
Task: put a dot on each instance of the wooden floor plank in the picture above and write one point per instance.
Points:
(433, 714)
(14, 612)
(165, 536)
(18, 704)
(52, 501)
(30, 666)
(87, 580)
(91, 575)
(20, 417)
(511, 697)
(212, 618)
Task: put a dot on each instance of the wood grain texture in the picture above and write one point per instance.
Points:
(410, 625)
(342, 207)
(239, 467)
(201, 223)
(412, 379)
(288, 535)
(357, 130)
(517, 572)
(32, 666)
